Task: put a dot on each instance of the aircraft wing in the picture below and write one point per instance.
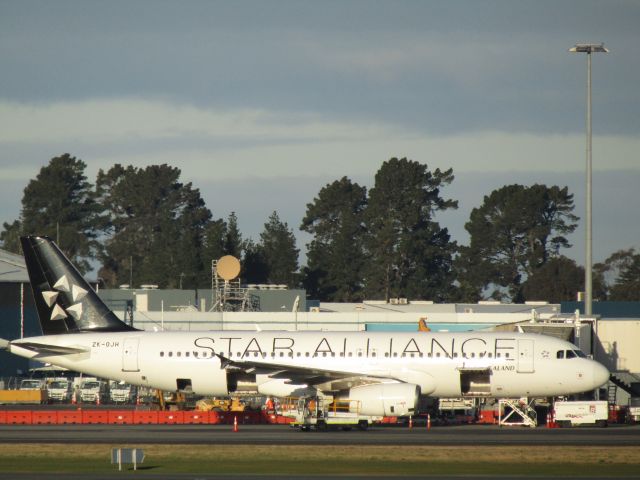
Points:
(48, 349)
(302, 375)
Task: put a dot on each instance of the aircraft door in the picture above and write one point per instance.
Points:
(130, 355)
(525, 356)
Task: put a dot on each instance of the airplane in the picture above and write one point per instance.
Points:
(383, 373)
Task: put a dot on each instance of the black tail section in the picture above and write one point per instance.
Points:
(65, 301)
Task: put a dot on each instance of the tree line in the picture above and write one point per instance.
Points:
(143, 225)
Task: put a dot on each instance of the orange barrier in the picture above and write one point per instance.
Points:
(39, 417)
(125, 417)
(69, 416)
(170, 417)
(225, 418)
(19, 417)
(214, 417)
(95, 416)
(145, 417)
(195, 417)
(120, 417)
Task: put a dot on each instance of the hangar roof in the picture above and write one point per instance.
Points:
(12, 268)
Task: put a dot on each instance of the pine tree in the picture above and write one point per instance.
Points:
(335, 257)
(59, 203)
(155, 227)
(409, 254)
(516, 231)
(278, 248)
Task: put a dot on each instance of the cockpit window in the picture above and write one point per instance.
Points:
(580, 353)
(571, 354)
(560, 354)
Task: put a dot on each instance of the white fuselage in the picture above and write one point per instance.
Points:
(442, 364)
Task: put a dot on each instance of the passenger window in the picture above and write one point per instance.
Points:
(282, 354)
(506, 355)
(162, 354)
(171, 354)
(195, 354)
(395, 354)
(350, 354)
(386, 354)
(186, 354)
(560, 354)
(438, 354)
(306, 354)
(490, 355)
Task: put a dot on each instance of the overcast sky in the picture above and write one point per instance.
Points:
(261, 103)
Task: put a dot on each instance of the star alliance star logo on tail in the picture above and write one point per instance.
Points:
(77, 293)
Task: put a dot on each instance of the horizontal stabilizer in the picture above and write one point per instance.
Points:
(47, 349)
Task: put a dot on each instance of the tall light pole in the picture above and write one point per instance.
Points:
(588, 48)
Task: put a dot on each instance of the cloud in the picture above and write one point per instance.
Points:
(217, 143)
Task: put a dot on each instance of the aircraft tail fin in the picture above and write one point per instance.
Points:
(66, 303)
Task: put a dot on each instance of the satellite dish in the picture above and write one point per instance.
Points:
(228, 267)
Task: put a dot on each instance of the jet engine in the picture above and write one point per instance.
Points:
(383, 399)
(278, 387)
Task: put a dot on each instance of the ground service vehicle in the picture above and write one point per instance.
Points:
(121, 392)
(93, 391)
(318, 413)
(59, 390)
(233, 404)
(581, 413)
(31, 384)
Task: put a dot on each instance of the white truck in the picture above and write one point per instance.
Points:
(121, 392)
(585, 412)
(32, 384)
(634, 409)
(59, 390)
(93, 390)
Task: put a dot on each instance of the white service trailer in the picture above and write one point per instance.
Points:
(594, 412)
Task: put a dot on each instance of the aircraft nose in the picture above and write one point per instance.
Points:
(600, 375)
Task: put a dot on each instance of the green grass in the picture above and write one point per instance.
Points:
(355, 460)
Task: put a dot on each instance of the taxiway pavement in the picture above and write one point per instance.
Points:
(470, 435)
